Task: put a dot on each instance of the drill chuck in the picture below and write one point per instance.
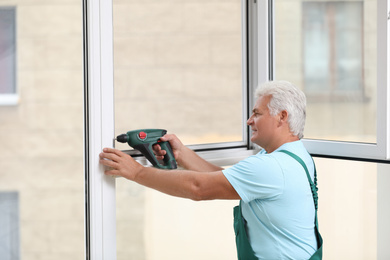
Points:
(123, 138)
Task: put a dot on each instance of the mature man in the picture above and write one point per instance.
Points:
(276, 211)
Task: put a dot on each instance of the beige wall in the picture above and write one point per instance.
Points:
(41, 138)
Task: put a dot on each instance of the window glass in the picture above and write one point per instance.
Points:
(328, 48)
(7, 50)
(178, 66)
(41, 139)
(155, 226)
(347, 207)
(9, 222)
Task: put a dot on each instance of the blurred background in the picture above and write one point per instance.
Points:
(177, 66)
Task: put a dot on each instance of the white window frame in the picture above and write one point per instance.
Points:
(100, 216)
(9, 99)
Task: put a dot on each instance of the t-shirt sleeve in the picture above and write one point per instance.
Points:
(257, 177)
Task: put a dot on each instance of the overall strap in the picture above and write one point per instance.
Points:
(318, 254)
(313, 186)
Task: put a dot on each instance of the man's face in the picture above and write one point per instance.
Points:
(263, 125)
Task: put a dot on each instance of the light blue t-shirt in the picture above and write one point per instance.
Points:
(277, 202)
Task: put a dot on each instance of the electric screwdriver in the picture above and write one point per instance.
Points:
(144, 139)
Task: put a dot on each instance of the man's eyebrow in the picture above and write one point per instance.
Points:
(255, 110)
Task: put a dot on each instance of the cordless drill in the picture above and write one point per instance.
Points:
(144, 139)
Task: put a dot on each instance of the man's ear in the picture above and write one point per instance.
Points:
(283, 116)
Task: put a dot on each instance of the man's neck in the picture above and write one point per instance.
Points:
(276, 145)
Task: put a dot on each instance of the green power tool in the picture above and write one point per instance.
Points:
(144, 139)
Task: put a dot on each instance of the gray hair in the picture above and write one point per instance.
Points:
(285, 96)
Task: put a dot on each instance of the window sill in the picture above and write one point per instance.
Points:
(9, 99)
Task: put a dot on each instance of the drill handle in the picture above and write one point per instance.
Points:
(169, 158)
(147, 150)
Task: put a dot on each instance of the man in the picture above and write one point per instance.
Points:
(276, 203)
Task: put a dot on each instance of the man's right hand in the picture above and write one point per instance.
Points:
(175, 143)
(184, 156)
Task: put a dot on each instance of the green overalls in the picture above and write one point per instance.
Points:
(244, 249)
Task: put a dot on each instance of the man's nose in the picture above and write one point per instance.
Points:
(249, 121)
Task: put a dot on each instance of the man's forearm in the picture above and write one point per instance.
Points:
(174, 182)
(187, 184)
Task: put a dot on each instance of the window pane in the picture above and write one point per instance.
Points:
(329, 50)
(155, 226)
(9, 222)
(347, 207)
(41, 139)
(177, 66)
(7, 50)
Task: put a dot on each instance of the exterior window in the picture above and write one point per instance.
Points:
(9, 223)
(333, 50)
(7, 56)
